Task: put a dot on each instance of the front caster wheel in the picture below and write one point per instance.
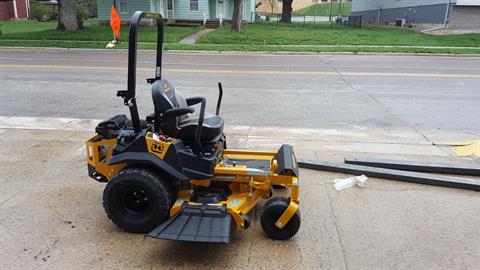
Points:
(137, 200)
(272, 210)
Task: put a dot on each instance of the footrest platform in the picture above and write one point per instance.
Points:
(205, 223)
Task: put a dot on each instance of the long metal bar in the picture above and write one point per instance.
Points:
(412, 177)
(416, 166)
(132, 61)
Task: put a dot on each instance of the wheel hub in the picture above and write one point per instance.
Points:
(136, 201)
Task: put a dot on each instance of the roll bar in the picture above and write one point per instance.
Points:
(129, 94)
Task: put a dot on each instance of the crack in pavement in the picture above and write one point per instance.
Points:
(332, 212)
(385, 108)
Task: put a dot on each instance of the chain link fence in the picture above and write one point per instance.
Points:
(353, 21)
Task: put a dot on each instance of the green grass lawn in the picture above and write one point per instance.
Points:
(15, 27)
(261, 36)
(239, 47)
(323, 10)
(33, 30)
(321, 34)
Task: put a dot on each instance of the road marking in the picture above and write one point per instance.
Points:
(232, 64)
(252, 72)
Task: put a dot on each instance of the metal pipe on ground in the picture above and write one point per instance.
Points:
(416, 166)
(406, 176)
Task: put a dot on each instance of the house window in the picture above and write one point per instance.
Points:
(193, 5)
(122, 6)
(170, 4)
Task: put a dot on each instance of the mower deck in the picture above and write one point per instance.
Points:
(213, 223)
(249, 176)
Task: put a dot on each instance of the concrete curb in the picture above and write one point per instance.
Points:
(267, 53)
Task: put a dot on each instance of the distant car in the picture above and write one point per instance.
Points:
(262, 17)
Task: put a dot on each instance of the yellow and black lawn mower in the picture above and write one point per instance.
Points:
(172, 177)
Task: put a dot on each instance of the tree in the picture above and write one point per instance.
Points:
(91, 8)
(272, 4)
(286, 11)
(237, 15)
(67, 16)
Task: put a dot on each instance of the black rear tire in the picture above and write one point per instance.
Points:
(137, 200)
(272, 210)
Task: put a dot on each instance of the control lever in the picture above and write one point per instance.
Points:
(152, 80)
(220, 95)
(124, 94)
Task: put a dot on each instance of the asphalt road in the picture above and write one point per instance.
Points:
(424, 93)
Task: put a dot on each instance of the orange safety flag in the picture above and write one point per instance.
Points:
(115, 22)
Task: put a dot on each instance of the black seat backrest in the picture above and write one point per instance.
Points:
(165, 97)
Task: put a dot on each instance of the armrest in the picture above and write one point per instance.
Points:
(198, 132)
(194, 100)
(176, 112)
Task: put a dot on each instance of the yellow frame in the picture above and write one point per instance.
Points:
(99, 160)
(247, 188)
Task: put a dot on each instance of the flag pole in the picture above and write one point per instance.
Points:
(117, 41)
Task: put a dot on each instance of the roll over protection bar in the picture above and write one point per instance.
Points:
(129, 94)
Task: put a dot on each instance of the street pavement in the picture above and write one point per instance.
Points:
(327, 106)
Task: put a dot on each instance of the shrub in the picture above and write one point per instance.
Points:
(42, 12)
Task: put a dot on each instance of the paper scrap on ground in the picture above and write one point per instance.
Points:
(470, 149)
(111, 44)
(341, 184)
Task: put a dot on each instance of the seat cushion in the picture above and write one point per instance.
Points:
(212, 127)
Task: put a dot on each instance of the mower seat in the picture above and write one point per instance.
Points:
(183, 127)
(212, 127)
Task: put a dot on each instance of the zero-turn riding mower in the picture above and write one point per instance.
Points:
(171, 176)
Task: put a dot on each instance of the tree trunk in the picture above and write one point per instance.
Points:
(67, 16)
(237, 15)
(286, 11)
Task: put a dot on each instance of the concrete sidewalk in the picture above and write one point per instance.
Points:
(309, 143)
(192, 39)
(52, 217)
